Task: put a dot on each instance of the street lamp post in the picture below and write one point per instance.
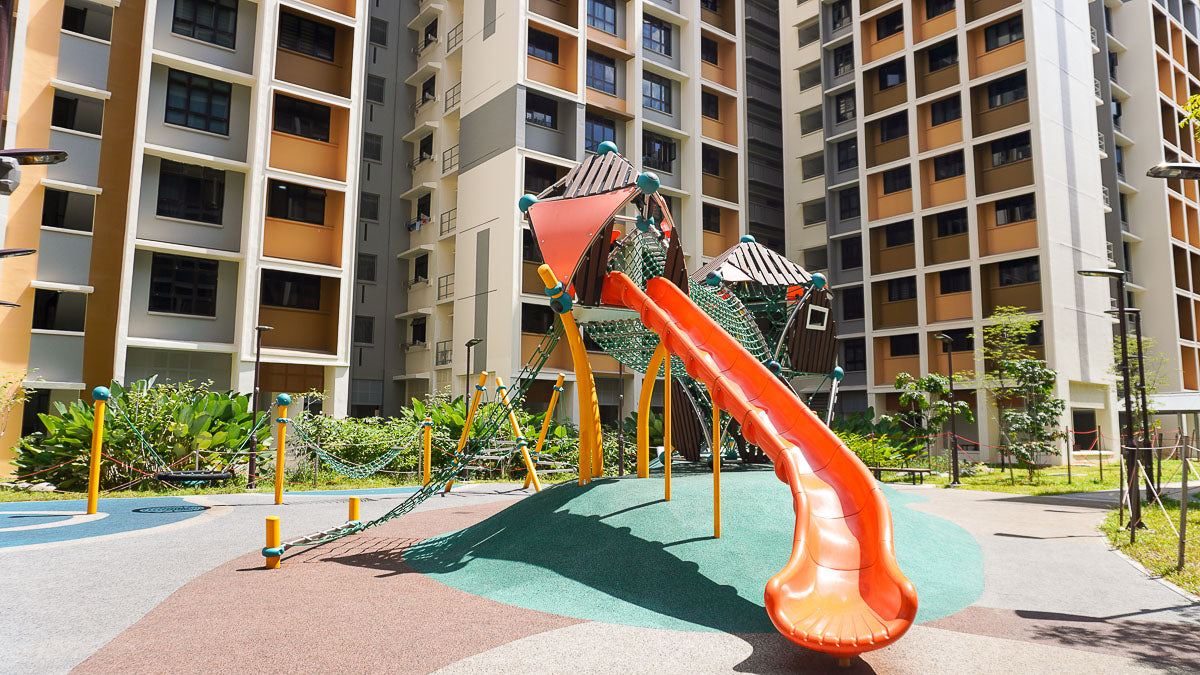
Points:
(470, 346)
(949, 344)
(1135, 501)
(253, 468)
(1145, 411)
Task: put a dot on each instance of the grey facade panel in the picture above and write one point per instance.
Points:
(489, 18)
(171, 365)
(226, 236)
(482, 254)
(64, 258)
(56, 358)
(240, 58)
(489, 130)
(82, 61)
(83, 161)
(143, 323)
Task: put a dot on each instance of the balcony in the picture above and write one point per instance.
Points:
(940, 192)
(723, 18)
(304, 329)
(985, 62)
(562, 75)
(420, 293)
(564, 11)
(894, 313)
(559, 359)
(882, 205)
(928, 28)
(723, 127)
(716, 242)
(893, 258)
(724, 71)
(330, 76)
(934, 137)
(722, 184)
(876, 99)
(929, 82)
(307, 242)
(300, 154)
(990, 120)
(996, 239)
(64, 257)
(945, 306)
(884, 152)
(887, 367)
(83, 60)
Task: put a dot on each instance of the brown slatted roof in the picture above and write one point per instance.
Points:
(599, 173)
(753, 262)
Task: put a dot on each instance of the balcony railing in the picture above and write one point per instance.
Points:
(424, 44)
(442, 352)
(447, 222)
(412, 165)
(454, 38)
(453, 95)
(420, 103)
(1096, 88)
(445, 286)
(1104, 193)
(1095, 38)
(1100, 138)
(450, 159)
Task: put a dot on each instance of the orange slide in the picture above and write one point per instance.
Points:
(841, 592)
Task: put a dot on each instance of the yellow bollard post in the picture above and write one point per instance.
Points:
(272, 543)
(667, 430)
(537, 450)
(100, 396)
(716, 459)
(427, 455)
(283, 400)
(466, 432)
(522, 442)
(353, 510)
(643, 430)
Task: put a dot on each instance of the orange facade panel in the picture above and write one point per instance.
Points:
(1188, 357)
(886, 98)
(995, 239)
(886, 152)
(927, 28)
(560, 358)
(885, 206)
(326, 159)
(991, 120)
(292, 240)
(343, 7)
(887, 368)
(304, 329)
(562, 11)
(1027, 295)
(607, 43)
(724, 71)
(985, 62)
(725, 127)
(946, 249)
(716, 243)
(885, 47)
(895, 313)
(942, 192)
(990, 179)
(558, 75)
(606, 102)
(725, 185)
(948, 307)
(722, 19)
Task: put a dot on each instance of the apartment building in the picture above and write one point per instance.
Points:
(507, 98)
(211, 188)
(957, 170)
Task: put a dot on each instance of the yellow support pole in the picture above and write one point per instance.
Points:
(522, 442)
(283, 400)
(643, 430)
(100, 396)
(537, 450)
(591, 458)
(427, 455)
(466, 432)
(353, 510)
(716, 459)
(273, 542)
(667, 430)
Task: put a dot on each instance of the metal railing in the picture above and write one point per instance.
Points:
(447, 222)
(1106, 196)
(454, 38)
(442, 352)
(445, 287)
(420, 103)
(1103, 145)
(424, 44)
(453, 95)
(1096, 88)
(450, 159)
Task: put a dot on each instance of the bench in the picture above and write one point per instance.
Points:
(912, 473)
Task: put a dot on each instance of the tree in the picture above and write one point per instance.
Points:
(1007, 336)
(1033, 426)
(1154, 364)
(12, 395)
(1191, 111)
(926, 408)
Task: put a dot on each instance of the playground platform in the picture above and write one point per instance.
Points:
(600, 578)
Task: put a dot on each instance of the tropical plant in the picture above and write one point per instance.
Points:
(655, 422)
(873, 450)
(13, 394)
(926, 407)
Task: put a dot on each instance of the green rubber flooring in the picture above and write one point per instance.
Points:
(614, 551)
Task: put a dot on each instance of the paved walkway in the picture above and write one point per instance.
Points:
(192, 597)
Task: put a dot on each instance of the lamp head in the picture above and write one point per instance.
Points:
(1110, 272)
(263, 329)
(1185, 170)
(474, 341)
(944, 338)
(16, 252)
(29, 156)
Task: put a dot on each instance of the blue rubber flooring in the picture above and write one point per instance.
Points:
(124, 515)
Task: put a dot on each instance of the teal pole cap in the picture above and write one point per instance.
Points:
(644, 224)
(606, 147)
(283, 399)
(819, 281)
(775, 367)
(747, 239)
(101, 394)
(713, 279)
(838, 373)
(648, 182)
(525, 202)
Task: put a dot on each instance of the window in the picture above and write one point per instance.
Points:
(306, 36)
(1007, 90)
(855, 352)
(656, 35)
(951, 223)
(658, 152)
(291, 290)
(843, 60)
(955, 281)
(543, 45)
(848, 204)
(417, 327)
(851, 253)
(893, 127)
(376, 88)
(708, 50)
(302, 118)
(891, 75)
(943, 55)
(889, 24)
(536, 318)
(840, 14)
(428, 89)
(291, 201)
(934, 8)
(365, 270)
(425, 147)
(711, 5)
(1011, 149)
(810, 121)
(424, 205)
(364, 330)
(852, 303)
(847, 154)
(904, 345)
(198, 102)
(602, 14)
(212, 21)
(428, 36)
(896, 180)
(808, 34)
(372, 147)
(961, 340)
(68, 210)
(596, 130)
(421, 267)
(539, 176)
(530, 251)
(368, 206)
(945, 110)
(710, 105)
(602, 73)
(710, 161)
(1013, 272)
(379, 32)
(1004, 33)
(190, 192)
(656, 93)
(948, 166)
(844, 106)
(1015, 209)
(75, 20)
(898, 234)
(541, 111)
(183, 285)
(59, 310)
(710, 218)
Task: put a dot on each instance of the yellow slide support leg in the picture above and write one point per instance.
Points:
(480, 387)
(100, 395)
(522, 442)
(281, 445)
(537, 450)
(716, 459)
(643, 430)
(427, 451)
(667, 431)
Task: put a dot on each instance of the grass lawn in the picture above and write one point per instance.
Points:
(1047, 481)
(1157, 546)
